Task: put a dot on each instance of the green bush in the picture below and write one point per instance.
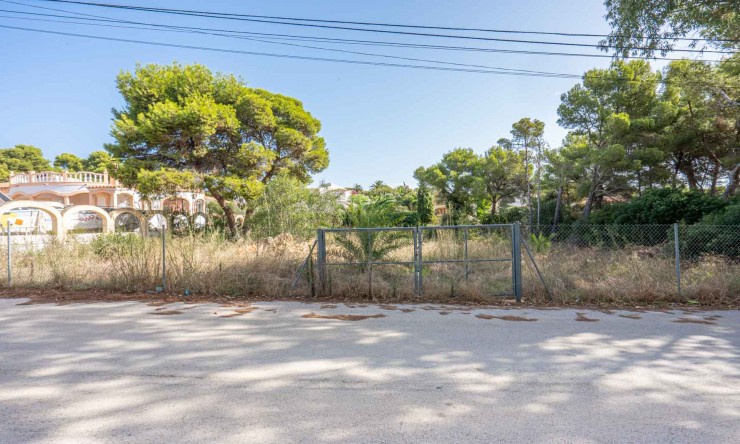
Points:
(717, 233)
(661, 206)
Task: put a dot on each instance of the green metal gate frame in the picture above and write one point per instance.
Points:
(418, 261)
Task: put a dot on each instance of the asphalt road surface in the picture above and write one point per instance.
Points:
(118, 372)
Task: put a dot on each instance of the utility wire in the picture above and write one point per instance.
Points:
(348, 28)
(543, 73)
(291, 56)
(292, 37)
(410, 26)
(266, 54)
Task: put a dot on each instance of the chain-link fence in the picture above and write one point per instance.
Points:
(635, 262)
(586, 263)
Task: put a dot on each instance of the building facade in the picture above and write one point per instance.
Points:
(64, 189)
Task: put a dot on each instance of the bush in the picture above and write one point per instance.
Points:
(661, 206)
(717, 233)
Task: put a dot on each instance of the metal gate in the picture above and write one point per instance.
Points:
(435, 258)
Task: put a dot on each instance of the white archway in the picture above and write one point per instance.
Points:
(143, 222)
(57, 220)
(108, 226)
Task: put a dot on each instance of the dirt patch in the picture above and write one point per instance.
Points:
(342, 317)
(62, 296)
(694, 321)
(445, 313)
(388, 307)
(239, 312)
(606, 311)
(326, 306)
(271, 310)
(407, 310)
(166, 312)
(506, 318)
(631, 316)
(582, 318)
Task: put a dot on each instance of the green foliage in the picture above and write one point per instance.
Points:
(109, 246)
(455, 181)
(364, 212)
(643, 27)
(288, 206)
(98, 162)
(68, 162)
(424, 206)
(540, 242)
(21, 158)
(717, 233)
(503, 175)
(661, 206)
(213, 132)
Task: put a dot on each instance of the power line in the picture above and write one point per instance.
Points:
(354, 42)
(543, 73)
(286, 56)
(291, 56)
(347, 28)
(409, 26)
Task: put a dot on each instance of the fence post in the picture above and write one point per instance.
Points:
(370, 263)
(164, 257)
(516, 261)
(321, 259)
(10, 257)
(420, 233)
(465, 238)
(678, 258)
(415, 234)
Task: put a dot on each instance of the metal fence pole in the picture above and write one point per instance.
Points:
(10, 257)
(678, 258)
(164, 257)
(465, 239)
(321, 259)
(516, 261)
(370, 263)
(415, 235)
(421, 261)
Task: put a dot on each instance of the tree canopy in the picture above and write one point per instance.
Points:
(644, 27)
(21, 158)
(184, 127)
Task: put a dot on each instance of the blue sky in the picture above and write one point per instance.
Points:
(57, 92)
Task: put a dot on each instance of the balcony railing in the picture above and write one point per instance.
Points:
(46, 177)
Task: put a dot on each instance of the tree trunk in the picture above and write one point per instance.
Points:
(732, 184)
(230, 216)
(494, 202)
(589, 204)
(690, 173)
(558, 200)
(715, 176)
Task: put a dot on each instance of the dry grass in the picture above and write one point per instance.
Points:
(211, 266)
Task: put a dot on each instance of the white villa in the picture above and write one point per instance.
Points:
(98, 189)
(59, 202)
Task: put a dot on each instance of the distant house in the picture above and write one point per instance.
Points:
(343, 194)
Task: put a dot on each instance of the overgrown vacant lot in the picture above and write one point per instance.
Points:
(294, 372)
(210, 266)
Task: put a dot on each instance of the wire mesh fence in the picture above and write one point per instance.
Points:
(586, 263)
(635, 262)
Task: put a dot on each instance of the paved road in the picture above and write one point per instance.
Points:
(115, 372)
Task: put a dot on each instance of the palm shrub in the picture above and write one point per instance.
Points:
(365, 245)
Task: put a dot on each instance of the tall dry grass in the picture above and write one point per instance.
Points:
(212, 265)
